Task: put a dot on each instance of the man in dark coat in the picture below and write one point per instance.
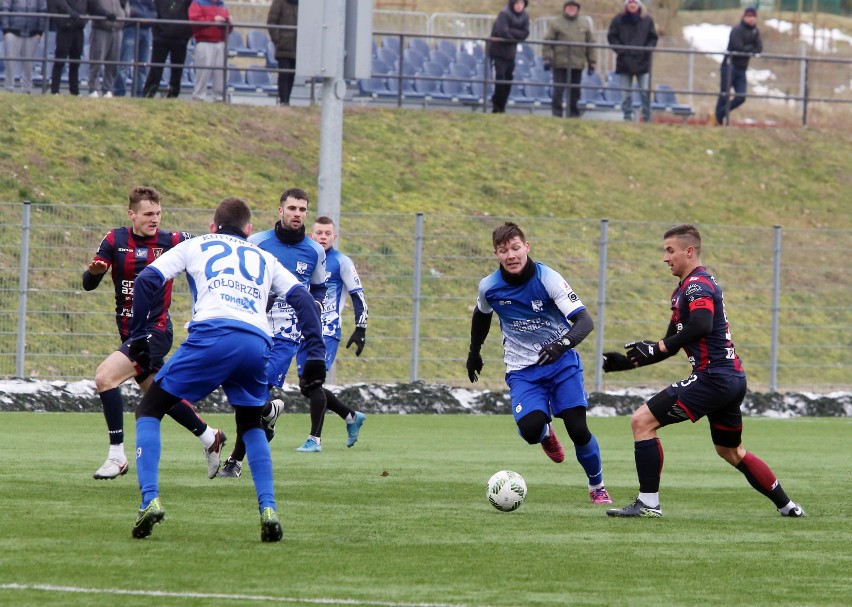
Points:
(631, 28)
(284, 12)
(511, 27)
(170, 40)
(744, 38)
(70, 39)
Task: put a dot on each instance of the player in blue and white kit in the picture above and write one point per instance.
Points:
(228, 344)
(715, 389)
(342, 279)
(542, 321)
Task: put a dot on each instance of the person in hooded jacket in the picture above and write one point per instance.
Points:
(284, 12)
(511, 27)
(633, 28)
(170, 40)
(105, 48)
(744, 38)
(567, 61)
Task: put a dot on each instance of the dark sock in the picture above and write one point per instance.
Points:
(184, 414)
(317, 398)
(761, 477)
(333, 403)
(114, 414)
(649, 464)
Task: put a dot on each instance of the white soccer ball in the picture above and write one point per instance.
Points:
(506, 490)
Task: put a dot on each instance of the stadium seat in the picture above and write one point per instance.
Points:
(518, 94)
(448, 47)
(374, 87)
(665, 100)
(237, 80)
(235, 44)
(408, 88)
(262, 81)
(441, 58)
(467, 59)
(258, 42)
(391, 42)
(419, 45)
(380, 67)
(414, 57)
(389, 56)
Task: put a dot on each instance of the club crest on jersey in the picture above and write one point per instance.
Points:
(157, 252)
(301, 267)
(142, 253)
(537, 305)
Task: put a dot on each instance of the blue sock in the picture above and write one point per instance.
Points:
(589, 456)
(148, 457)
(260, 462)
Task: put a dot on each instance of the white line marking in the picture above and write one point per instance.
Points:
(214, 595)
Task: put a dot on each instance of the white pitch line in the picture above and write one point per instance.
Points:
(215, 595)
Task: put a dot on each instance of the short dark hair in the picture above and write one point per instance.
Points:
(506, 232)
(688, 233)
(324, 220)
(232, 211)
(297, 193)
(140, 193)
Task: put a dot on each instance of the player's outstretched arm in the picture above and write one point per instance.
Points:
(94, 274)
(479, 326)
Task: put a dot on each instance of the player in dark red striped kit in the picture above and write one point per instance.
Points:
(715, 389)
(128, 251)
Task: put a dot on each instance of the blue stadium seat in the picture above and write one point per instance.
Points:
(467, 59)
(374, 87)
(380, 67)
(258, 42)
(419, 45)
(441, 58)
(448, 47)
(388, 55)
(408, 88)
(665, 100)
(237, 80)
(391, 42)
(262, 81)
(414, 57)
(235, 44)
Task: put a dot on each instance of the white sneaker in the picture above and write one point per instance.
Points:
(214, 454)
(94, 95)
(112, 468)
(108, 95)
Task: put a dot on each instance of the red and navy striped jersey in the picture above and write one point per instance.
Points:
(128, 254)
(714, 352)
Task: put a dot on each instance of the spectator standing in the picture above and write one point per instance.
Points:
(633, 28)
(105, 45)
(744, 38)
(135, 47)
(511, 27)
(715, 389)
(542, 320)
(170, 40)
(210, 35)
(70, 39)
(568, 62)
(22, 35)
(284, 12)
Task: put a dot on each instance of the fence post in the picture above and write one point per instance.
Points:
(22, 295)
(776, 297)
(599, 342)
(415, 312)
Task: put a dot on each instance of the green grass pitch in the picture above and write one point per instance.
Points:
(401, 520)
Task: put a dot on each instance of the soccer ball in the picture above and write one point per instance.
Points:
(506, 490)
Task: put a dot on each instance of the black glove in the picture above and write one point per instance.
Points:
(110, 17)
(616, 361)
(643, 352)
(140, 354)
(547, 66)
(359, 338)
(313, 376)
(591, 69)
(474, 365)
(553, 351)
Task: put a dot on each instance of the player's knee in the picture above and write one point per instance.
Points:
(531, 425)
(575, 424)
(732, 455)
(104, 379)
(643, 421)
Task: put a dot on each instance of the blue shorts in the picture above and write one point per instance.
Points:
(550, 389)
(280, 357)
(211, 357)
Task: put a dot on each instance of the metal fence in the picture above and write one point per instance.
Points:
(786, 295)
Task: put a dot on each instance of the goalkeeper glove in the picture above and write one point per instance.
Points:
(645, 352)
(553, 351)
(474, 364)
(359, 338)
(140, 354)
(313, 376)
(616, 361)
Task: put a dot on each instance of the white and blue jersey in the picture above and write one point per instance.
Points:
(230, 280)
(531, 314)
(341, 278)
(306, 261)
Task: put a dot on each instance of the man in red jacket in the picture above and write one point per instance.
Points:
(212, 29)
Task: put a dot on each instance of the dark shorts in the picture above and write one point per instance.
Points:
(717, 397)
(159, 344)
